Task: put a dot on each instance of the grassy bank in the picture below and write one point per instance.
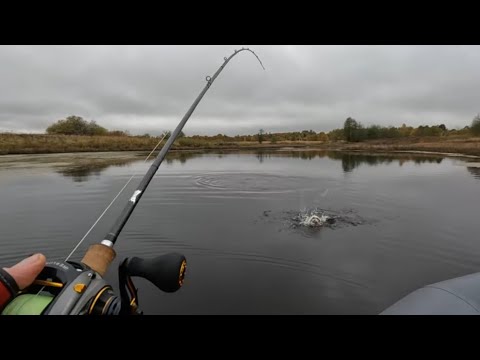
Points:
(45, 144)
(460, 145)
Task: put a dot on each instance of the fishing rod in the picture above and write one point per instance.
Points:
(78, 288)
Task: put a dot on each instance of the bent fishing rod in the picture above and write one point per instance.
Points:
(79, 288)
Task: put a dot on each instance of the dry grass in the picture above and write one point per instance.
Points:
(466, 146)
(45, 144)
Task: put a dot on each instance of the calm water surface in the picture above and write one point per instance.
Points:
(230, 214)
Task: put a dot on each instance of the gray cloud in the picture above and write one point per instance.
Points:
(149, 88)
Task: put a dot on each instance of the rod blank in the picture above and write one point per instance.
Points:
(114, 232)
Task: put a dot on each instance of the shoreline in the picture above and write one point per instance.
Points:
(279, 148)
(34, 145)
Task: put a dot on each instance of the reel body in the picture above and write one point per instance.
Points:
(71, 288)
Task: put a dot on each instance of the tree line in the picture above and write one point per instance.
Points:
(352, 131)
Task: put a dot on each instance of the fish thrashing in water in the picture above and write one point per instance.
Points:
(316, 221)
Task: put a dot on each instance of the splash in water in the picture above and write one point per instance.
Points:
(313, 218)
(316, 221)
(311, 221)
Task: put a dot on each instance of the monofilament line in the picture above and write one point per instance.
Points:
(115, 198)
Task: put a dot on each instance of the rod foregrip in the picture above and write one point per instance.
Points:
(99, 257)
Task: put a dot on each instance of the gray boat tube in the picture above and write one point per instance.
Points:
(458, 296)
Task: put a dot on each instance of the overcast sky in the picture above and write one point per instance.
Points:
(149, 88)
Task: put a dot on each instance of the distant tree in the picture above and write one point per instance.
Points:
(374, 132)
(75, 125)
(475, 128)
(405, 130)
(349, 127)
(353, 130)
(322, 137)
(337, 134)
(260, 135)
(95, 129)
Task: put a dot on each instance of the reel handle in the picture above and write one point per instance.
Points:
(166, 272)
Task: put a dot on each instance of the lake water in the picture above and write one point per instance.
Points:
(415, 221)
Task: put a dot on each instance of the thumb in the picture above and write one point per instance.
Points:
(27, 270)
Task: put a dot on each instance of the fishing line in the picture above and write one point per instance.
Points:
(98, 219)
(115, 198)
(113, 234)
(111, 237)
(99, 257)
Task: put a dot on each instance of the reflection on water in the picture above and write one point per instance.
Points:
(350, 161)
(182, 157)
(475, 171)
(81, 169)
(260, 156)
(80, 172)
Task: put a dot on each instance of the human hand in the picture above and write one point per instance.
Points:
(26, 271)
(18, 277)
